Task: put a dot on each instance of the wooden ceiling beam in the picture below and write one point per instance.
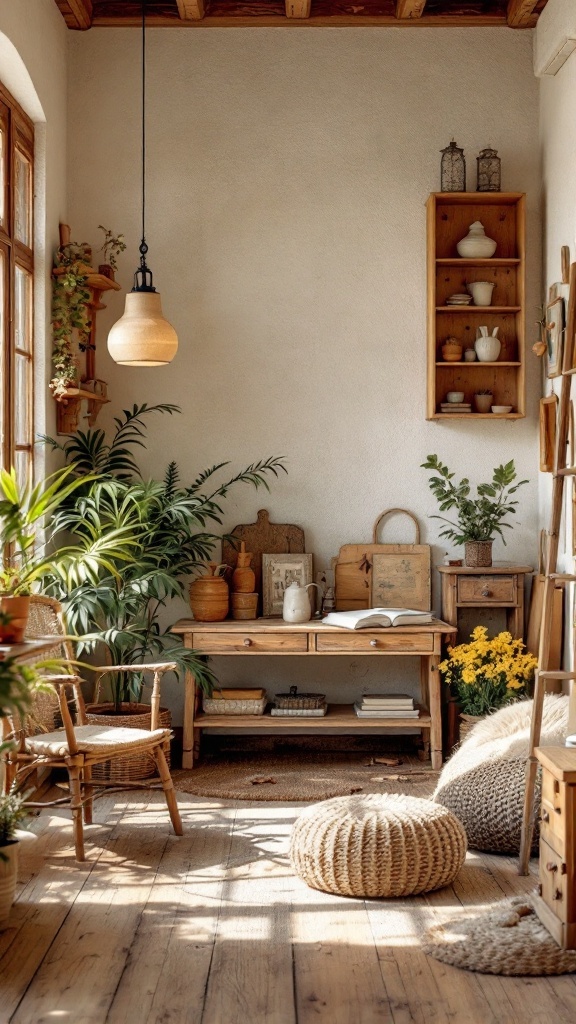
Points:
(76, 13)
(520, 13)
(409, 9)
(190, 10)
(298, 8)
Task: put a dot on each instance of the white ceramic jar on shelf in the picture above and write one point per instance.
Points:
(476, 244)
(487, 345)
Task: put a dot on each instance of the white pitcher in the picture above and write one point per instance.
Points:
(296, 606)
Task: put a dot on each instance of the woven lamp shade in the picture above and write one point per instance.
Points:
(143, 336)
(388, 845)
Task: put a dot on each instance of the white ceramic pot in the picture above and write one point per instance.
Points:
(8, 875)
(476, 244)
(487, 349)
(481, 292)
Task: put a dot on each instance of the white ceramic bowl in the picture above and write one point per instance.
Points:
(501, 408)
(455, 396)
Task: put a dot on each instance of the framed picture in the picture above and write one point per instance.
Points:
(548, 410)
(278, 572)
(554, 336)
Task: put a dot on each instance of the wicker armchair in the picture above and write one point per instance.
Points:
(49, 738)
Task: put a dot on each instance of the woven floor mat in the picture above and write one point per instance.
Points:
(507, 939)
(288, 777)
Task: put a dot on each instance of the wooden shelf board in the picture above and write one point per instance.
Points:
(338, 716)
(495, 261)
(476, 198)
(478, 309)
(477, 416)
(80, 393)
(476, 362)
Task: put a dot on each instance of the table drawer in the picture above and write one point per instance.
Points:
(554, 882)
(366, 641)
(553, 822)
(499, 589)
(249, 643)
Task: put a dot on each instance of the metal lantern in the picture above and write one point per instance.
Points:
(452, 169)
(488, 172)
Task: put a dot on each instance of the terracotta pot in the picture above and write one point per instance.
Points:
(243, 577)
(8, 876)
(478, 554)
(106, 270)
(209, 597)
(18, 609)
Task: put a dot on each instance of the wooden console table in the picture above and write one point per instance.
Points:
(314, 639)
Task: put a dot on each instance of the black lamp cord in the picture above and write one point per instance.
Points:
(143, 276)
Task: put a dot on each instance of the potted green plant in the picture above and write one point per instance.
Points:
(477, 519)
(485, 674)
(112, 246)
(483, 399)
(71, 317)
(12, 813)
(119, 617)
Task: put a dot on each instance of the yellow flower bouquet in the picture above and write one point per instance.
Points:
(484, 674)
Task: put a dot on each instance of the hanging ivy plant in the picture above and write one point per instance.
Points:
(71, 320)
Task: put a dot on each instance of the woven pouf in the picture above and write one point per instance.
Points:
(377, 845)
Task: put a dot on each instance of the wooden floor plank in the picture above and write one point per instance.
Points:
(170, 956)
(251, 976)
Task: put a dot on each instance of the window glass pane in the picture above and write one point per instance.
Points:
(23, 466)
(22, 424)
(2, 173)
(22, 199)
(23, 309)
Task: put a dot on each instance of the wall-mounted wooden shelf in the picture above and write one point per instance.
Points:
(450, 215)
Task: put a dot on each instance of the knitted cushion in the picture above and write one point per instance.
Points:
(377, 845)
(483, 782)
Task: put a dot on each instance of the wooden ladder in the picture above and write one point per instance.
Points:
(552, 577)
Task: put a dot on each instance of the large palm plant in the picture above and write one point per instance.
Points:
(169, 530)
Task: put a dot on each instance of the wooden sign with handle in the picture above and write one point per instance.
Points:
(384, 575)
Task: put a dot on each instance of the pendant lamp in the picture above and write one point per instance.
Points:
(143, 336)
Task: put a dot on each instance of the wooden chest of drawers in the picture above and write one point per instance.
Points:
(556, 900)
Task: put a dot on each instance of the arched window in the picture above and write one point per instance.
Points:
(16, 269)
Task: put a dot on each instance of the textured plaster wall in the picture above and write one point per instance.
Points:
(287, 176)
(33, 68)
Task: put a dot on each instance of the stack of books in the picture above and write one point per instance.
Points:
(386, 705)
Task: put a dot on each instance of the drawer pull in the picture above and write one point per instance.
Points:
(539, 888)
(545, 816)
(373, 643)
(551, 866)
(557, 894)
(247, 642)
(558, 810)
(486, 593)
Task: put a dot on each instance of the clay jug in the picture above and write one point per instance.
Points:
(243, 578)
(209, 596)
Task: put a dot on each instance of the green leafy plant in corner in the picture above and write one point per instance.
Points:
(171, 527)
(477, 518)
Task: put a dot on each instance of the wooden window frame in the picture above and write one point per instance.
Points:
(19, 136)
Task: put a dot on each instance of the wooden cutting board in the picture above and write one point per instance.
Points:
(263, 537)
(535, 617)
(388, 575)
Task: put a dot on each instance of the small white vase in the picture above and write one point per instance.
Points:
(481, 292)
(476, 244)
(487, 349)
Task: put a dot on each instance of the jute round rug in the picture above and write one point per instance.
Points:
(310, 777)
(507, 939)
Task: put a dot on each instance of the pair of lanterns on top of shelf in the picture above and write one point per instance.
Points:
(143, 336)
(453, 170)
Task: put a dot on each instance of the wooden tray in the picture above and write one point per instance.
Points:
(387, 575)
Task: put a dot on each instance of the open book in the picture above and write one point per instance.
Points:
(366, 618)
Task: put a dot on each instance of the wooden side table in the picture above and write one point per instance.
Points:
(499, 586)
(555, 903)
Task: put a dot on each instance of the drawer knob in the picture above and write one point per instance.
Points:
(557, 894)
(545, 816)
(247, 642)
(373, 643)
(539, 888)
(551, 866)
(486, 593)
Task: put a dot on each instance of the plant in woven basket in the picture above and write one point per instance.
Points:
(486, 674)
(476, 518)
(166, 527)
